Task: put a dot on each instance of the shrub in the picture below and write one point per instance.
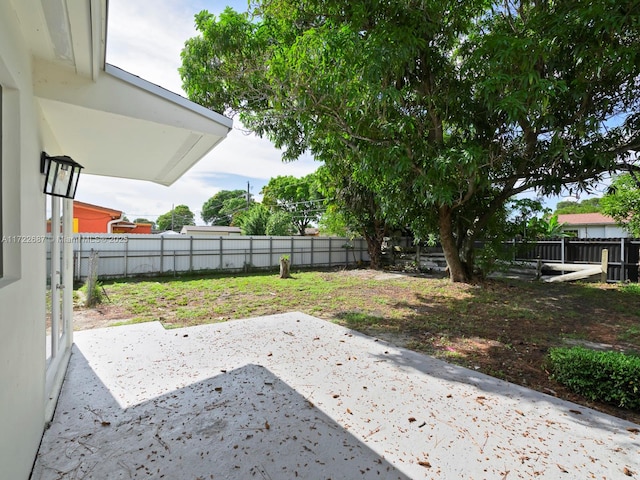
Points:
(254, 222)
(93, 292)
(611, 377)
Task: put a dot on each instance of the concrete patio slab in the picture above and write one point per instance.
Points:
(291, 396)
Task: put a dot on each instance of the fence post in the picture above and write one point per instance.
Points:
(623, 263)
(190, 254)
(329, 252)
(250, 253)
(270, 252)
(221, 264)
(126, 257)
(175, 269)
(604, 265)
(312, 264)
(562, 246)
(292, 247)
(161, 254)
(346, 251)
(80, 259)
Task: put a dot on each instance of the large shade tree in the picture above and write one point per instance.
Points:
(299, 197)
(176, 218)
(221, 208)
(444, 109)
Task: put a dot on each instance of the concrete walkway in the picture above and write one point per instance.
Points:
(291, 396)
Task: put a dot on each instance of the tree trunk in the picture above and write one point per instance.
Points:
(457, 271)
(374, 248)
(284, 267)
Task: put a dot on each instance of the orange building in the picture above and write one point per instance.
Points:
(88, 218)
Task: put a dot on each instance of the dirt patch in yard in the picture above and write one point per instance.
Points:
(500, 327)
(105, 315)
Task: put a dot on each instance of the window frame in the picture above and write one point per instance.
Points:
(1, 184)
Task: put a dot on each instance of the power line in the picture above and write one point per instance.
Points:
(302, 202)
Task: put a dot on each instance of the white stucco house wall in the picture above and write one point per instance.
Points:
(591, 225)
(58, 95)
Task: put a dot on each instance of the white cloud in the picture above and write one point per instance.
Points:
(145, 38)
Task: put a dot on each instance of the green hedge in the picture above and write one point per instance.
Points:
(611, 377)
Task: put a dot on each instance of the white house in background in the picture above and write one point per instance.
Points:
(57, 95)
(210, 231)
(591, 225)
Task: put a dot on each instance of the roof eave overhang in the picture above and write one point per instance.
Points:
(111, 122)
(120, 125)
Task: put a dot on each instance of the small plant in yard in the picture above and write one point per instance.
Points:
(611, 377)
(93, 293)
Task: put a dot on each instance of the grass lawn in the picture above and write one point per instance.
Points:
(503, 328)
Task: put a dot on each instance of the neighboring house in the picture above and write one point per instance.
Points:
(210, 231)
(122, 226)
(89, 218)
(57, 95)
(591, 225)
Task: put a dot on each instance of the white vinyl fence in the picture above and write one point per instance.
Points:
(134, 255)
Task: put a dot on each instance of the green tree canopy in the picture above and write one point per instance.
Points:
(358, 207)
(299, 197)
(254, 222)
(588, 205)
(220, 209)
(334, 223)
(471, 103)
(280, 223)
(176, 218)
(622, 202)
(526, 217)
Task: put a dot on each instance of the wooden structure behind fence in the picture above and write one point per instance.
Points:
(623, 254)
(124, 255)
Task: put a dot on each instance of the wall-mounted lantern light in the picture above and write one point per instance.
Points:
(61, 175)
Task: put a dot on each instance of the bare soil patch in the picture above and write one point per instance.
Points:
(105, 315)
(500, 327)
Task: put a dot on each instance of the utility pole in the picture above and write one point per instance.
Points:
(248, 195)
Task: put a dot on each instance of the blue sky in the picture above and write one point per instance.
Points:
(145, 38)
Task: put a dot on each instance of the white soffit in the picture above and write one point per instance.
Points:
(121, 125)
(69, 32)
